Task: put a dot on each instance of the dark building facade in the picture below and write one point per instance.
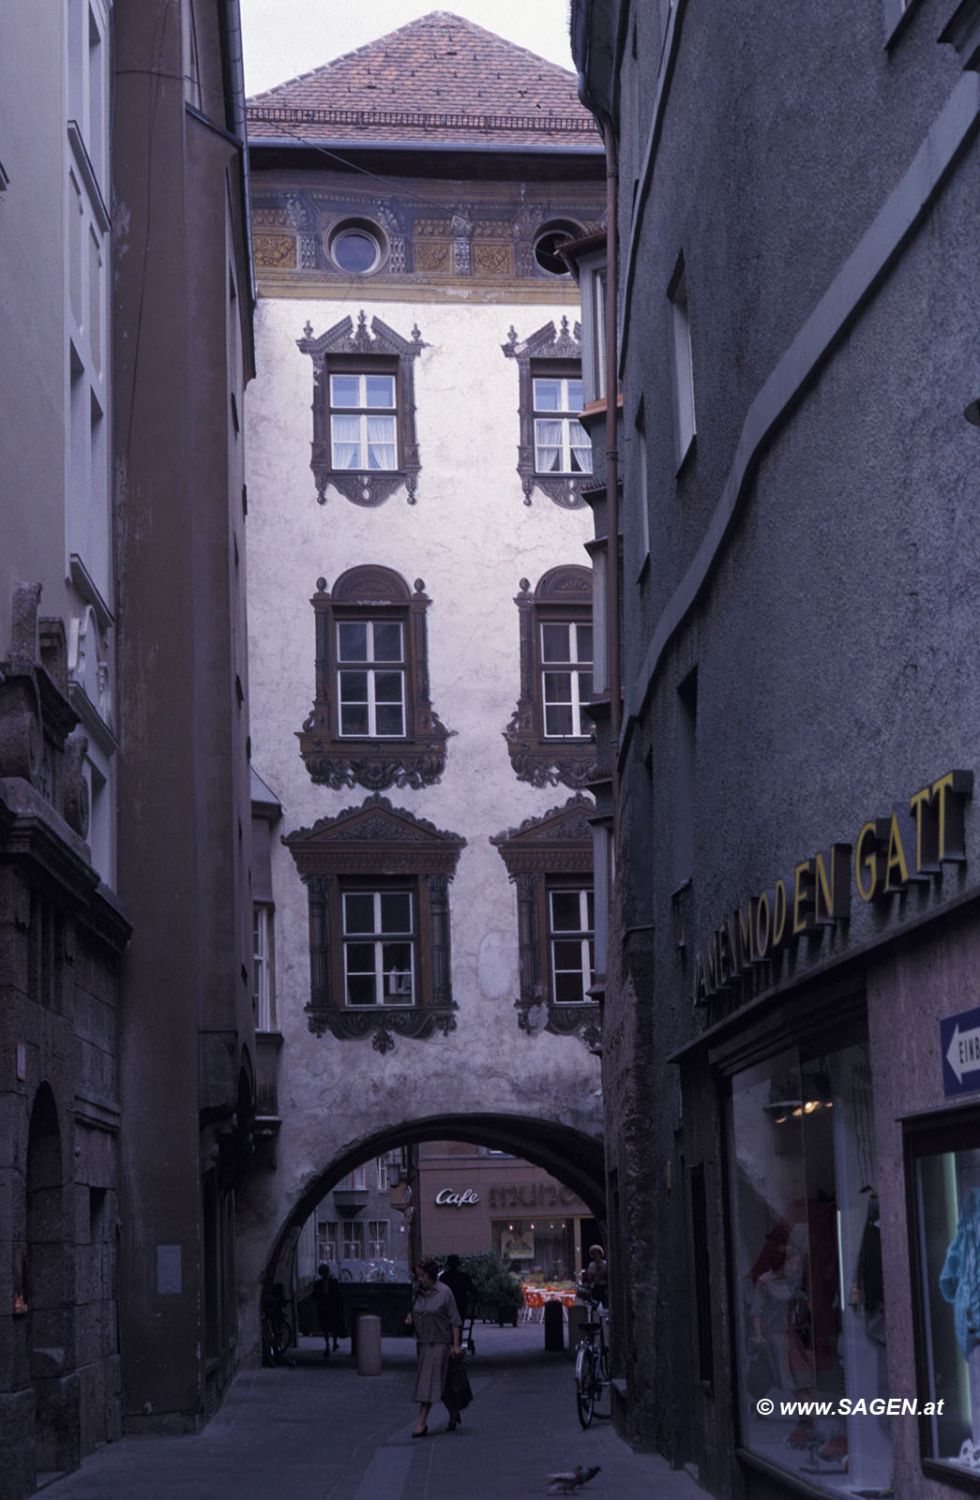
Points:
(789, 1032)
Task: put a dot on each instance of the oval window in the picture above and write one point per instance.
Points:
(548, 243)
(356, 248)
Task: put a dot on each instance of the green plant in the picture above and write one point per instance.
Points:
(495, 1286)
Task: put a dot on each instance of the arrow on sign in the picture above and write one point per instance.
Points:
(963, 1053)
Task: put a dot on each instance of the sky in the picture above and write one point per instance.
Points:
(284, 38)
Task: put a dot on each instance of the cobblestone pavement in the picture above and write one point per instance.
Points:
(320, 1431)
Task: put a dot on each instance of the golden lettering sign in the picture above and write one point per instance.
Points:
(889, 854)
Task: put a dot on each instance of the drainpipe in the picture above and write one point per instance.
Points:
(612, 464)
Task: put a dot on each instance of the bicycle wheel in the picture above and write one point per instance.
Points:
(585, 1383)
(603, 1395)
(282, 1338)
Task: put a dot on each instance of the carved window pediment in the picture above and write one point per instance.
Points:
(364, 441)
(377, 880)
(372, 723)
(549, 861)
(560, 467)
(548, 738)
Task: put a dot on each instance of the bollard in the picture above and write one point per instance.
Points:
(368, 1344)
(554, 1326)
(577, 1315)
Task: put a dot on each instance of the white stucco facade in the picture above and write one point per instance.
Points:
(471, 538)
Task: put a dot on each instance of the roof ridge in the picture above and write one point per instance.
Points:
(447, 15)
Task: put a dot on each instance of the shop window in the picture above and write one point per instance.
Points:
(549, 737)
(364, 442)
(380, 962)
(549, 860)
(554, 454)
(372, 721)
(541, 1247)
(807, 1263)
(944, 1174)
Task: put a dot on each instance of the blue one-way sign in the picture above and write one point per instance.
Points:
(959, 1041)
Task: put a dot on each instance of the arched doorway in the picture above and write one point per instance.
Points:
(47, 1293)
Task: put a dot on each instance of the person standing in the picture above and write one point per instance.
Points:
(329, 1307)
(437, 1324)
(461, 1285)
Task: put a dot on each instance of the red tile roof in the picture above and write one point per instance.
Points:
(439, 78)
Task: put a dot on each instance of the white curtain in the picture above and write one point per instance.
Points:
(547, 446)
(381, 443)
(345, 434)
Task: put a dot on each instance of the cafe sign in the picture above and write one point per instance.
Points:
(889, 855)
(448, 1197)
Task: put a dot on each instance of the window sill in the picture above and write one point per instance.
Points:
(375, 764)
(382, 1025)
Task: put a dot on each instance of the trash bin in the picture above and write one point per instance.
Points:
(554, 1327)
(368, 1344)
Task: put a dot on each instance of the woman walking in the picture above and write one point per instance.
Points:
(437, 1331)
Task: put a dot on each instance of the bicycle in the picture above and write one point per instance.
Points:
(277, 1336)
(593, 1380)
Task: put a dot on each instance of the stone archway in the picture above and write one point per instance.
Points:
(50, 1352)
(570, 1155)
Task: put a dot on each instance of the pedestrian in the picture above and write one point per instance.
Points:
(596, 1275)
(329, 1308)
(461, 1285)
(436, 1320)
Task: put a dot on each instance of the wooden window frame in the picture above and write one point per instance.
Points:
(361, 370)
(374, 847)
(563, 595)
(344, 349)
(555, 354)
(561, 885)
(418, 757)
(544, 854)
(566, 375)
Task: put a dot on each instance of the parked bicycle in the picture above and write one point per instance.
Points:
(593, 1381)
(276, 1329)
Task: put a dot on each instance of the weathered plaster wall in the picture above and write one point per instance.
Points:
(471, 538)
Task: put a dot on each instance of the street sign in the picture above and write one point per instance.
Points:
(959, 1042)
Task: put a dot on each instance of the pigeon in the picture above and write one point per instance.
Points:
(572, 1482)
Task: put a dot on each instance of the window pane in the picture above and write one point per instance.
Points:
(345, 436)
(547, 446)
(581, 448)
(381, 443)
(569, 989)
(397, 966)
(558, 722)
(388, 640)
(547, 395)
(352, 641)
(583, 634)
(389, 720)
(568, 955)
(353, 687)
(585, 687)
(355, 250)
(554, 643)
(590, 900)
(360, 958)
(388, 687)
(565, 911)
(354, 718)
(380, 390)
(344, 390)
(575, 398)
(358, 911)
(361, 989)
(396, 911)
(557, 687)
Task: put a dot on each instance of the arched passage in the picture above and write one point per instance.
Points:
(573, 1157)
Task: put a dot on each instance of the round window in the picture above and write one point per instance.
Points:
(356, 248)
(548, 243)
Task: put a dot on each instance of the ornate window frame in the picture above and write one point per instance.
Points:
(544, 851)
(371, 592)
(375, 846)
(344, 349)
(543, 352)
(563, 593)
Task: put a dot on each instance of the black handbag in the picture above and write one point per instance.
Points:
(456, 1393)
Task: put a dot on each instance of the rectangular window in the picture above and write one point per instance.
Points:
(371, 678)
(807, 1262)
(571, 940)
(945, 1175)
(561, 443)
(379, 948)
(363, 421)
(326, 1240)
(263, 989)
(566, 678)
(355, 1179)
(353, 1241)
(378, 1241)
(684, 777)
(683, 364)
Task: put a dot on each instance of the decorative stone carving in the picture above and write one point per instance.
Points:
(541, 761)
(363, 487)
(382, 841)
(417, 760)
(559, 843)
(546, 345)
